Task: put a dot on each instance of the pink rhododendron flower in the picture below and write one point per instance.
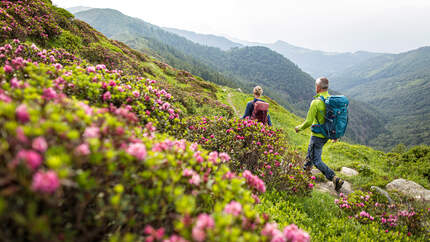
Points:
(5, 98)
(40, 144)
(198, 234)
(92, 132)
(100, 67)
(224, 157)
(195, 179)
(165, 106)
(22, 113)
(154, 234)
(91, 69)
(58, 66)
(213, 156)
(175, 238)
(363, 214)
(14, 83)
(294, 234)
(187, 172)
(270, 229)
(83, 149)
(205, 221)
(137, 150)
(254, 181)
(310, 185)
(198, 157)
(32, 159)
(107, 96)
(233, 208)
(46, 182)
(136, 94)
(49, 93)
(194, 146)
(8, 69)
(88, 110)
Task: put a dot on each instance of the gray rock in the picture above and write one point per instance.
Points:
(329, 188)
(348, 171)
(382, 192)
(410, 189)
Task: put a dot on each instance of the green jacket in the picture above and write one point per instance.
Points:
(317, 109)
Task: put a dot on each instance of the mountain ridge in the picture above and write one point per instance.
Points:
(398, 86)
(315, 62)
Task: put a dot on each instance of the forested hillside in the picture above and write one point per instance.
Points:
(399, 87)
(315, 62)
(240, 67)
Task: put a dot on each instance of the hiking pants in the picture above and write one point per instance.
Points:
(315, 148)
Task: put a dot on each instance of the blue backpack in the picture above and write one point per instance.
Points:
(336, 117)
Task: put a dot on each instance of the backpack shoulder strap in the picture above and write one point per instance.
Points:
(322, 99)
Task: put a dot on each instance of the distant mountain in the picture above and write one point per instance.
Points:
(206, 39)
(74, 10)
(246, 67)
(316, 63)
(399, 86)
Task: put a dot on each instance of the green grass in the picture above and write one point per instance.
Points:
(322, 219)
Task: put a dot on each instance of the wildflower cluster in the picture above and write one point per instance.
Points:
(252, 147)
(129, 95)
(290, 233)
(367, 208)
(28, 19)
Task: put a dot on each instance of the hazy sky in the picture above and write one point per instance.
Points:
(331, 25)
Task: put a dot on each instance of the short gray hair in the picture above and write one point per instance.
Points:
(322, 82)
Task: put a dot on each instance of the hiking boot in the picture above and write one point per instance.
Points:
(307, 170)
(337, 183)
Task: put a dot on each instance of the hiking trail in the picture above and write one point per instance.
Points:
(230, 102)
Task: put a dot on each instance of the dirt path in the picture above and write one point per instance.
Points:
(231, 104)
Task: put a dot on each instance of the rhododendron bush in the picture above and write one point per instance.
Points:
(137, 98)
(28, 19)
(252, 146)
(83, 159)
(367, 207)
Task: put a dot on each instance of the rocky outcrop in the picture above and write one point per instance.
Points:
(410, 189)
(382, 192)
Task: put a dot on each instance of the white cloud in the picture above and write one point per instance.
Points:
(334, 25)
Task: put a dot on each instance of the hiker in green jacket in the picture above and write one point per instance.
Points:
(317, 142)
